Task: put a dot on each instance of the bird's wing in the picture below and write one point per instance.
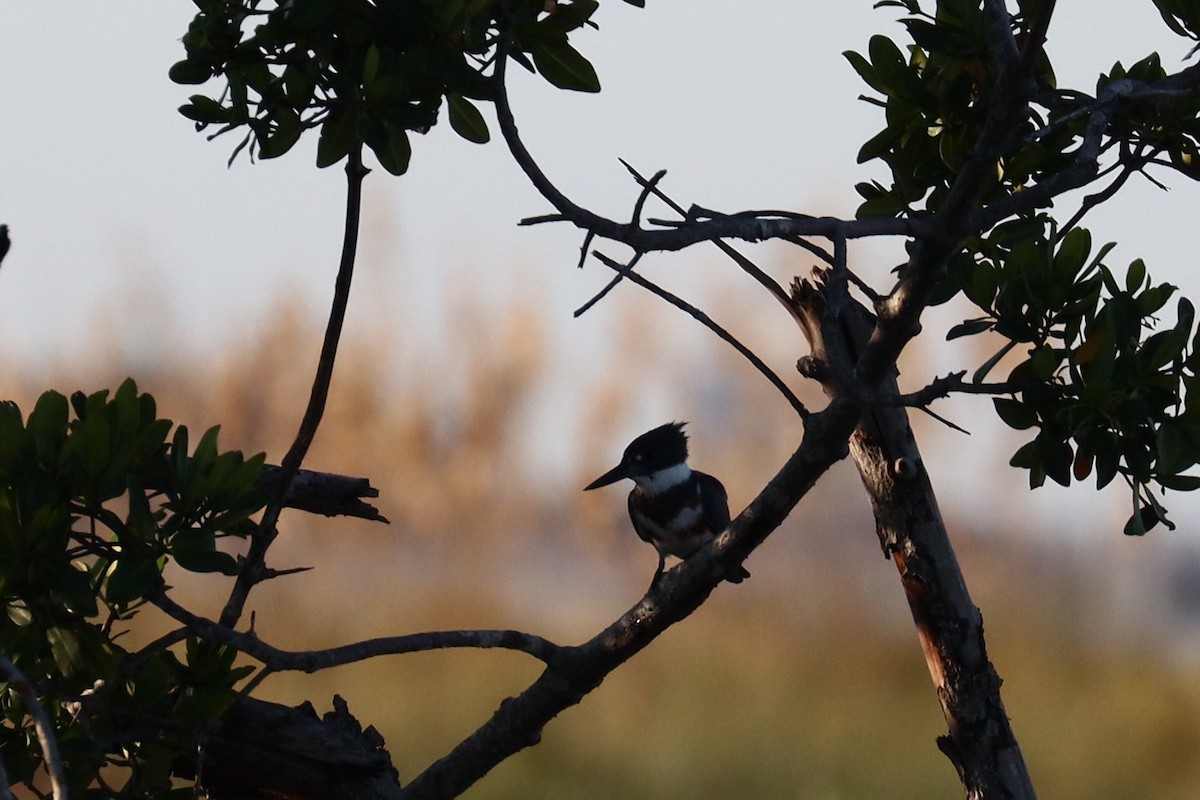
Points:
(638, 527)
(714, 500)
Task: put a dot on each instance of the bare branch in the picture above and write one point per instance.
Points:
(253, 567)
(639, 239)
(708, 322)
(748, 266)
(648, 187)
(622, 271)
(276, 660)
(1095, 199)
(41, 723)
(939, 418)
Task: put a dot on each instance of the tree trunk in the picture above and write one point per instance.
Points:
(980, 742)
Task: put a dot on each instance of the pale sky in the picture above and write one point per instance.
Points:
(126, 223)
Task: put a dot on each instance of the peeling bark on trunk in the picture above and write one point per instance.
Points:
(980, 742)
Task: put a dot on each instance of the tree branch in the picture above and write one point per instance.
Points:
(324, 493)
(980, 744)
(277, 660)
(622, 271)
(575, 671)
(707, 321)
(253, 567)
(945, 386)
(748, 266)
(41, 723)
(753, 229)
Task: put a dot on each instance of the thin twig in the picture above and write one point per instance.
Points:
(954, 426)
(1093, 200)
(953, 383)
(253, 568)
(608, 287)
(819, 252)
(708, 322)
(41, 723)
(748, 266)
(648, 187)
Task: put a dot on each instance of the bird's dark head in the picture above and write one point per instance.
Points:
(652, 452)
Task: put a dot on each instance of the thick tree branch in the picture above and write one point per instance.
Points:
(575, 671)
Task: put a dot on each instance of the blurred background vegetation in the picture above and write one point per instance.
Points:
(806, 682)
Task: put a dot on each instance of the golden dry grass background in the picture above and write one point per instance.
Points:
(806, 682)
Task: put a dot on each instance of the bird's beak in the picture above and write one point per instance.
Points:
(612, 476)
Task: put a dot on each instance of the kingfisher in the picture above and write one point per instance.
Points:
(673, 507)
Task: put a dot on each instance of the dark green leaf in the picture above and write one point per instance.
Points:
(189, 72)
(1135, 276)
(466, 120)
(1141, 521)
(48, 423)
(1107, 457)
(564, 66)
(1057, 459)
(1153, 299)
(1072, 253)
(196, 551)
(969, 328)
(79, 651)
(1014, 413)
(339, 132)
(1027, 456)
(394, 151)
(131, 579)
(70, 586)
(983, 285)
(567, 17)
(1180, 483)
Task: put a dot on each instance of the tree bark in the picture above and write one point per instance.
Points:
(980, 743)
(266, 751)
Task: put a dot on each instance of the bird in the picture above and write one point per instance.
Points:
(673, 507)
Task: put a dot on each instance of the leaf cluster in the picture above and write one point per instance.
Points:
(935, 95)
(95, 501)
(937, 92)
(1106, 386)
(367, 73)
(1164, 133)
